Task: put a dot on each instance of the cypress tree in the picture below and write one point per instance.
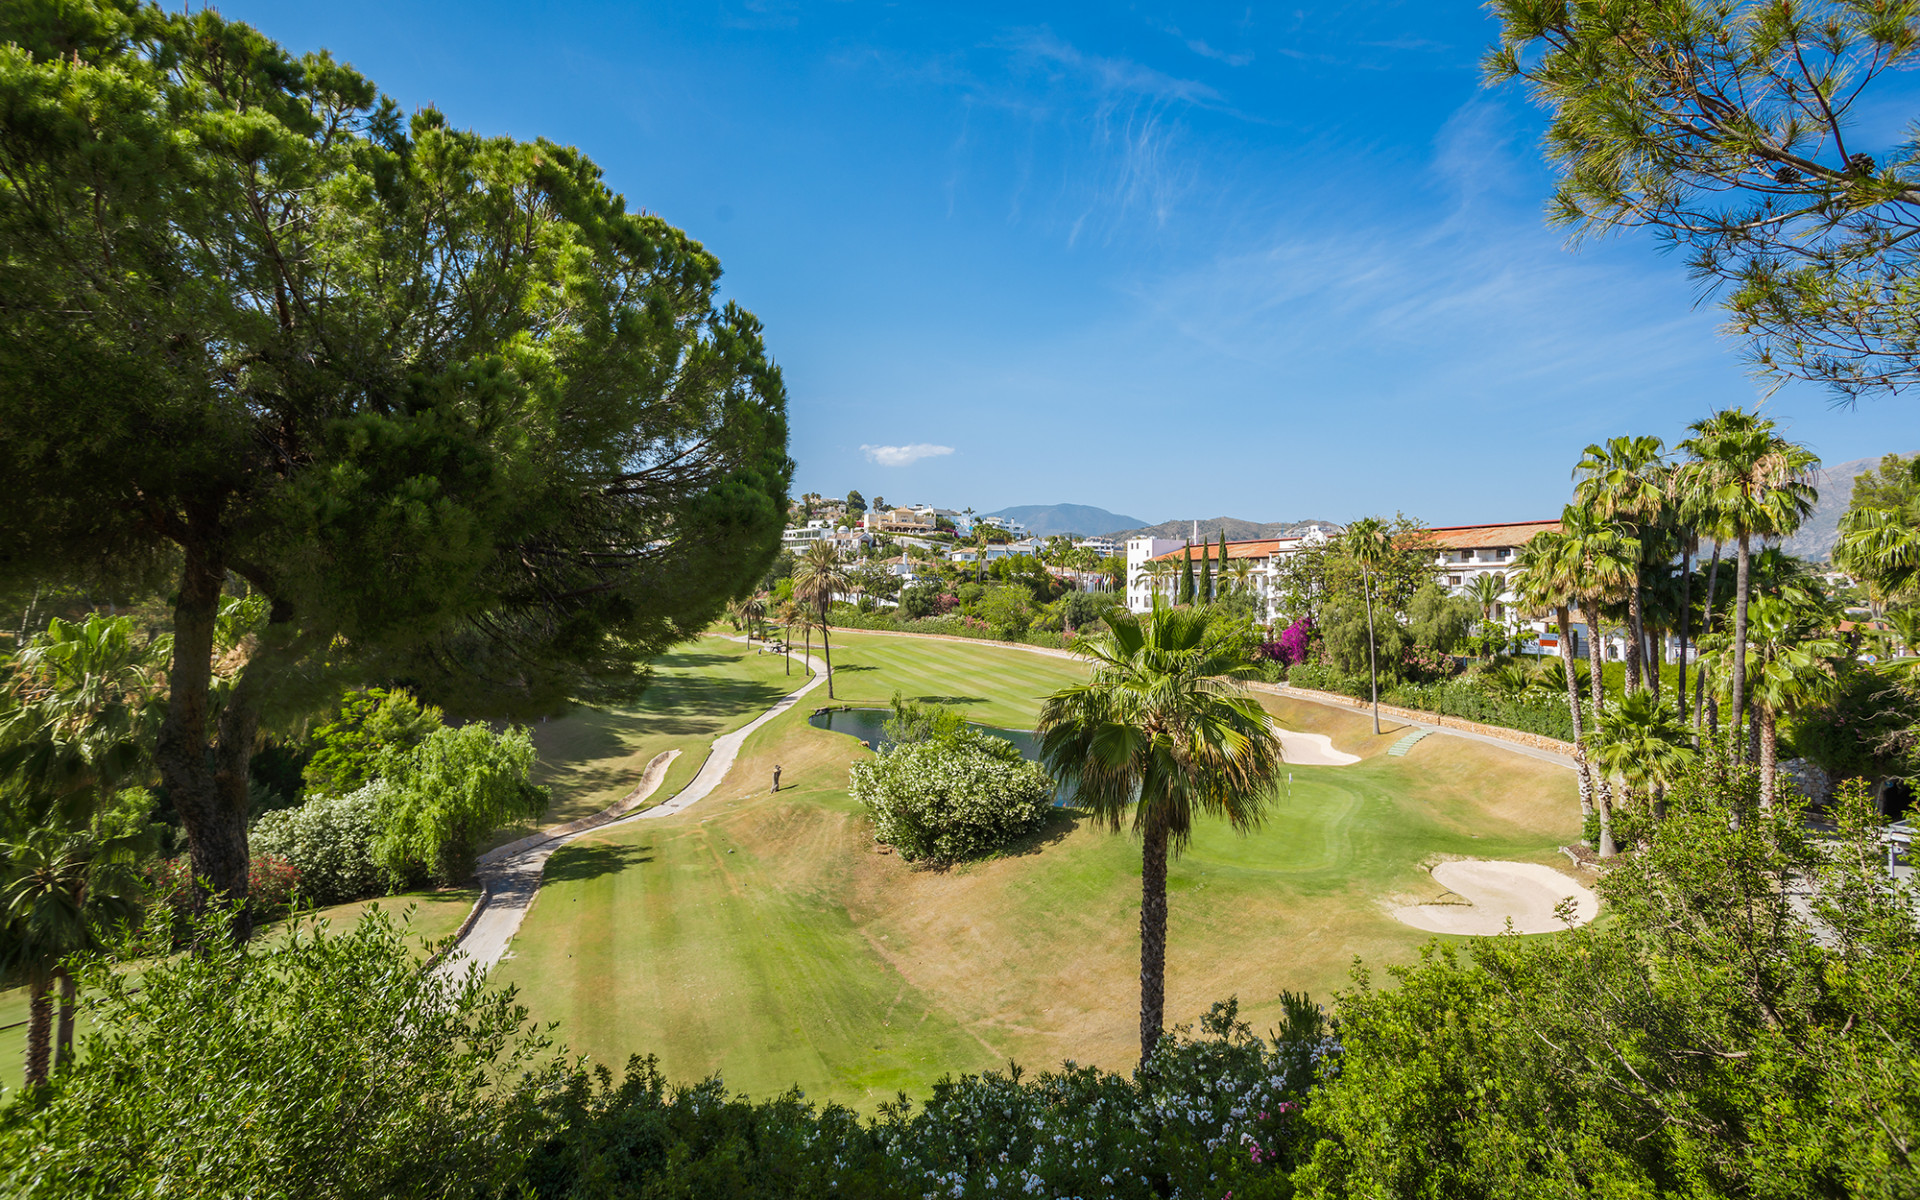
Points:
(1206, 576)
(1186, 578)
(1220, 576)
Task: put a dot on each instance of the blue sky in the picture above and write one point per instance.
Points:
(1172, 260)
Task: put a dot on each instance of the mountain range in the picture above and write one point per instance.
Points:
(1236, 529)
(1078, 520)
(1817, 534)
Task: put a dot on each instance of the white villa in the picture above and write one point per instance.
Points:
(1463, 553)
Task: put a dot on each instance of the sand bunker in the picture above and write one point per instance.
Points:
(1495, 891)
(1313, 750)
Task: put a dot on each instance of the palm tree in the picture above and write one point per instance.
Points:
(1625, 480)
(1485, 591)
(1368, 541)
(1599, 560)
(817, 578)
(1161, 733)
(1643, 742)
(60, 891)
(793, 613)
(1881, 545)
(1792, 658)
(1757, 481)
(1549, 578)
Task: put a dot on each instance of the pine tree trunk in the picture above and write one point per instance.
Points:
(63, 1038)
(1607, 847)
(1700, 676)
(1153, 937)
(1769, 756)
(39, 1030)
(200, 775)
(1737, 710)
(1573, 708)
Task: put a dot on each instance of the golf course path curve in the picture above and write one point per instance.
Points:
(510, 875)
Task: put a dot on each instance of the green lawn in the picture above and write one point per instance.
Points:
(435, 916)
(592, 757)
(762, 936)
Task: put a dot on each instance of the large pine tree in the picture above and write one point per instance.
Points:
(439, 400)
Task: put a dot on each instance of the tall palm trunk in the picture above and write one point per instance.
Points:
(1686, 622)
(786, 646)
(1573, 708)
(1373, 665)
(1740, 584)
(1700, 676)
(1153, 936)
(1602, 787)
(826, 648)
(1636, 634)
(63, 1037)
(39, 1029)
(1769, 755)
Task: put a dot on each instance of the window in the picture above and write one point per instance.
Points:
(1453, 581)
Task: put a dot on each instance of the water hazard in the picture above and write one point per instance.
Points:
(870, 726)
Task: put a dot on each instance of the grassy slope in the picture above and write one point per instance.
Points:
(592, 757)
(436, 916)
(763, 937)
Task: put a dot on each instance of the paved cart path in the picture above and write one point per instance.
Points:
(510, 875)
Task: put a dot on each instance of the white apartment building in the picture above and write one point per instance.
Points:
(795, 538)
(1103, 546)
(1264, 554)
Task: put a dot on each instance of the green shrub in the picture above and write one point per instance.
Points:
(954, 798)
(322, 1065)
(456, 787)
(1534, 711)
(373, 729)
(1321, 677)
(329, 840)
(1219, 1114)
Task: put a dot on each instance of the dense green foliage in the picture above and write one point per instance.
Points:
(371, 733)
(330, 841)
(457, 786)
(1708, 1040)
(440, 401)
(957, 794)
(1218, 1114)
(319, 1066)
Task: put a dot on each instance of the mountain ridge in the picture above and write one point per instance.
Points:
(1236, 529)
(1082, 520)
(1815, 538)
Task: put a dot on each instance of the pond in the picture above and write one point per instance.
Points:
(870, 726)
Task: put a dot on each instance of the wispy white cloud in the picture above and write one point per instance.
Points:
(904, 456)
(1200, 47)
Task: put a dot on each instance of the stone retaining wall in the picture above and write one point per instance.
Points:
(1516, 736)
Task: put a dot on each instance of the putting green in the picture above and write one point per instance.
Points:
(763, 937)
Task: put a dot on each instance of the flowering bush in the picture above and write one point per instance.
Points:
(1295, 641)
(952, 798)
(271, 883)
(329, 841)
(1216, 1114)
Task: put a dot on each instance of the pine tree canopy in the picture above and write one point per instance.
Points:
(451, 409)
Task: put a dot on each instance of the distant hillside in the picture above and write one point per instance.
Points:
(1237, 530)
(1080, 520)
(1816, 537)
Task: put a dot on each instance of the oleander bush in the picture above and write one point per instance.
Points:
(1218, 1113)
(329, 840)
(954, 797)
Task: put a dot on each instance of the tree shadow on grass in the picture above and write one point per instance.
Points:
(693, 659)
(951, 699)
(850, 667)
(576, 863)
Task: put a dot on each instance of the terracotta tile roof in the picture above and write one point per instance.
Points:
(1475, 537)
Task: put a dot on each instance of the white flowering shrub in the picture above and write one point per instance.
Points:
(329, 839)
(1217, 1114)
(952, 798)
